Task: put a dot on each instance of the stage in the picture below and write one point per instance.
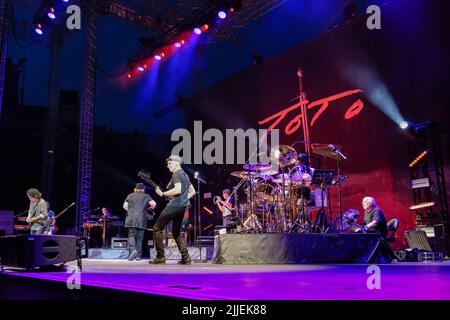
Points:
(118, 279)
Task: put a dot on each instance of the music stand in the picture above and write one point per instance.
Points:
(322, 178)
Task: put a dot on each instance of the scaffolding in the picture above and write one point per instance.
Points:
(3, 46)
(428, 178)
(87, 113)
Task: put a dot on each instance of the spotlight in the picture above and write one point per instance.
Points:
(222, 14)
(206, 27)
(196, 174)
(51, 13)
(157, 57)
(38, 29)
(197, 31)
(140, 68)
(129, 76)
(66, 0)
(408, 129)
(177, 44)
(404, 124)
(182, 42)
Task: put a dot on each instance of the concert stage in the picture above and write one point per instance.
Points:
(282, 248)
(120, 279)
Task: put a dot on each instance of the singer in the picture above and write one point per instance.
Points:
(181, 190)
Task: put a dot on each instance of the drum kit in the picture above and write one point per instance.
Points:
(281, 195)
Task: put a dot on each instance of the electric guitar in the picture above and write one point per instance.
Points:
(145, 175)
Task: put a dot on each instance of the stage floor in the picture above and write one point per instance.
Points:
(206, 281)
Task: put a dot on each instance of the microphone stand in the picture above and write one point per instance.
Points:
(199, 211)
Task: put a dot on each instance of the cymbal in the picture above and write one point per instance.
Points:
(324, 150)
(240, 174)
(284, 155)
(257, 166)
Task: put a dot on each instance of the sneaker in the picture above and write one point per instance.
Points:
(132, 256)
(138, 259)
(158, 261)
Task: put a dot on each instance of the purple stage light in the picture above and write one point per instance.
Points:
(157, 57)
(197, 31)
(222, 14)
(177, 44)
(38, 31)
(140, 68)
(51, 13)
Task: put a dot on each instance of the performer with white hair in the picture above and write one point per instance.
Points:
(374, 218)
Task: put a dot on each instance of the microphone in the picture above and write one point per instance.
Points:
(196, 176)
(336, 151)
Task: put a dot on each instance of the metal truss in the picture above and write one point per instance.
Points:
(4, 24)
(87, 113)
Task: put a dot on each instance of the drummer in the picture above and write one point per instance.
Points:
(226, 207)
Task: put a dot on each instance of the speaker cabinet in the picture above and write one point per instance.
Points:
(34, 251)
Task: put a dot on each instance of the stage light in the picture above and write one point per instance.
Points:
(403, 125)
(197, 31)
(66, 0)
(129, 76)
(140, 68)
(422, 205)
(157, 57)
(51, 13)
(196, 174)
(418, 158)
(38, 29)
(222, 14)
(182, 42)
(163, 55)
(408, 130)
(206, 27)
(177, 44)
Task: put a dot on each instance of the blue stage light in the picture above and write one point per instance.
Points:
(222, 14)
(197, 31)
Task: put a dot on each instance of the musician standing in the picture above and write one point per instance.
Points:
(136, 205)
(50, 227)
(226, 207)
(180, 190)
(37, 213)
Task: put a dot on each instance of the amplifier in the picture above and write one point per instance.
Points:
(119, 243)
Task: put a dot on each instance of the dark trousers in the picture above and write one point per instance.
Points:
(175, 215)
(135, 239)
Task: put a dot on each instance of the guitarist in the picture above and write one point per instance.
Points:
(180, 190)
(136, 206)
(37, 213)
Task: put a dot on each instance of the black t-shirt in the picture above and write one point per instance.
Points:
(378, 215)
(137, 210)
(180, 200)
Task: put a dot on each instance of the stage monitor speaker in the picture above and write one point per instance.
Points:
(34, 251)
